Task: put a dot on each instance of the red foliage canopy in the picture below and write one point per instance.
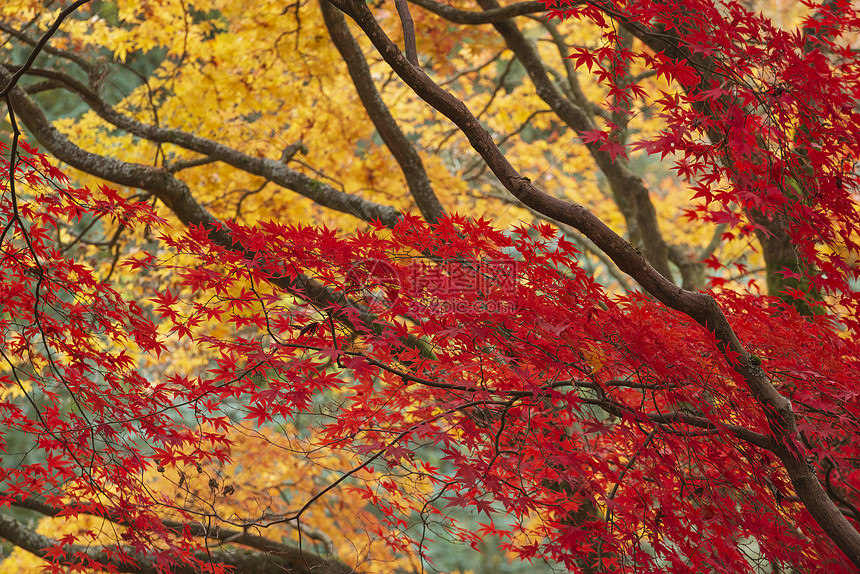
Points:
(622, 433)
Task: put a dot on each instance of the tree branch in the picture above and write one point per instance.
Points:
(223, 535)
(123, 559)
(271, 169)
(396, 141)
(626, 186)
(486, 17)
(408, 26)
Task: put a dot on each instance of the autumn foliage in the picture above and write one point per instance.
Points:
(229, 389)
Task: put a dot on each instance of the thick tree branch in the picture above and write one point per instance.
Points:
(668, 418)
(399, 145)
(486, 17)
(627, 187)
(263, 562)
(271, 169)
(265, 546)
(699, 306)
(582, 241)
(755, 438)
(43, 86)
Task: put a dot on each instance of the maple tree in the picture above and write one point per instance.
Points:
(414, 363)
